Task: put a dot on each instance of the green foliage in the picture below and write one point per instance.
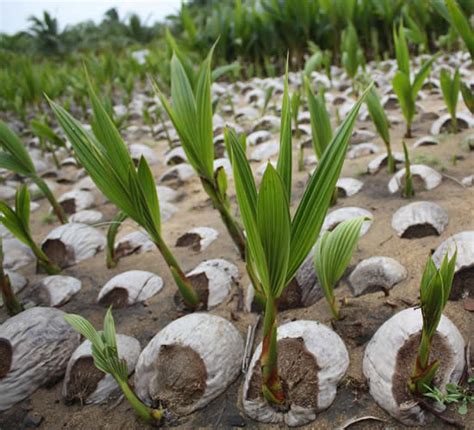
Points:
(15, 157)
(454, 394)
(409, 191)
(435, 288)
(333, 253)
(18, 223)
(405, 89)
(352, 54)
(321, 129)
(468, 97)
(7, 295)
(191, 114)
(380, 120)
(107, 360)
(105, 157)
(461, 23)
(450, 88)
(112, 231)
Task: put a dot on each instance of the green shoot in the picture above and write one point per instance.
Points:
(461, 23)
(404, 88)
(18, 222)
(450, 88)
(47, 135)
(106, 158)
(278, 243)
(112, 231)
(14, 157)
(268, 96)
(468, 97)
(435, 288)
(107, 360)
(191, 115)
(352, 54)
(333, 254)
(409, 189)
(10, 301)
(380, 120)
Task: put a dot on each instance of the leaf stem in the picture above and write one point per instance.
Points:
(147, 414)
(272, 389)
(57, 208)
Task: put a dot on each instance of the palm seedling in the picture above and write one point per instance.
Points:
(435, 288)
(266, 100)
(451, 11)
(191, 115)
(405, 89)
(49, 139)
(450, 89)
(111, 258)
(10, 301)
(278, 243)
(333, 254)
(468, 97)
(352, 54)
(321, 130)
(132, 189)
(18, 222)
(107, 360)
(380, 120)
(409, 190)
(15, 157)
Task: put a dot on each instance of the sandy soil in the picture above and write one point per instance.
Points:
(145, 320)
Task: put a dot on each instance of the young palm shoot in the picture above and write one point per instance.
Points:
(49, 139)
(405, 89)
(435, 288)
(112, 231)
(18, 222)
(10, 301)
(462, 25)
(333, 254)
(276, 243)
(450, 88)
(321, 130)
(468, 97)
(15, 157)
(409, 189)
(352, 54)
(191, 115)
(380, 120)
(106, 359)
(108, 162)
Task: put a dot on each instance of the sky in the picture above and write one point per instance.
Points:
(14, 13)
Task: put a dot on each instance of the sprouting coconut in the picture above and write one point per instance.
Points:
(416, 349)
(85, 383)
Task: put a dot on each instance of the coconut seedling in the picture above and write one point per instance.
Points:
(333, 254)
(409, 190)
(132, 189)
(111, 258)
(15, 157)
(106, 359)
(352, 54)
(468, 97)
(380, 120)
(450, 88)
(278, 243)
(191, 115)
(18, 223)
(454, 14)
(10, 301)
(49, 139)
(435, 289)
(406, 89)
